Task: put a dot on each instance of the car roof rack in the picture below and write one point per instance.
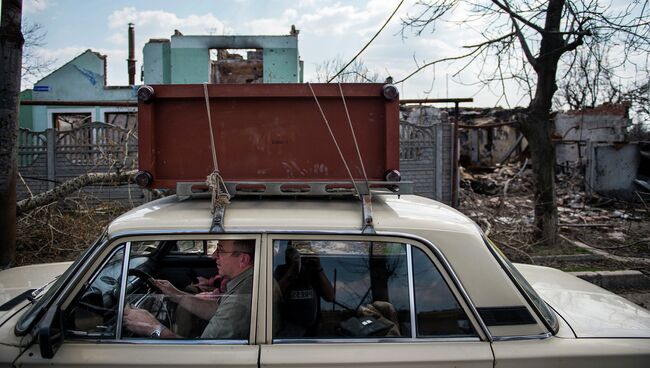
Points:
(189, 190)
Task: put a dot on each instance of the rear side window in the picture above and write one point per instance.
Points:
(360, 289)
(437, 311)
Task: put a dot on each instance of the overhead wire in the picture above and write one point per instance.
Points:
(368, 43)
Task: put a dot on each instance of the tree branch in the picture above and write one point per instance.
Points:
(71, 186)
(506, 8)
(424, 66)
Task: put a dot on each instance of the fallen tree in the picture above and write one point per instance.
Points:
(71, 186)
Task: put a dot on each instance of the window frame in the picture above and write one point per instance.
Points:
(51, 112)
(434, 254)
(93, 267)
(103, 112)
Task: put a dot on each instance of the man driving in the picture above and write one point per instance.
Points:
(228, 315)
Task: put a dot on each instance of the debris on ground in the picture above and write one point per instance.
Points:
(500, 200)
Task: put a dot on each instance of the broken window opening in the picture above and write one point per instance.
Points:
(239, 66)
(68, 121)
(124, 120)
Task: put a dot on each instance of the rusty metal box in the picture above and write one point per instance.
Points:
(266, 132)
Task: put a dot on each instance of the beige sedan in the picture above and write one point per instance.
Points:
(296, 282)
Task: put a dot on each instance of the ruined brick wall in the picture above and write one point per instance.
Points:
(233, 68)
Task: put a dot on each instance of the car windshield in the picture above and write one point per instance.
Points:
(539, 304)
(43, 298)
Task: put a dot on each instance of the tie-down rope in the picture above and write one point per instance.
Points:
(354, 137)
(220, 195)
(338, 148)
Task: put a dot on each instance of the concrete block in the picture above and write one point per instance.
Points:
(616, 280)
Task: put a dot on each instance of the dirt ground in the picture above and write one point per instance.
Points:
(501, 202)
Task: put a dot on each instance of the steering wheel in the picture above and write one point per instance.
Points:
(93, 301)
(148, 279)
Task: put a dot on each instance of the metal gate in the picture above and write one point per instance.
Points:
(426, 153)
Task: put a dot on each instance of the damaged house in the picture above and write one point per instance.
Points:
(72, 122)
(591, 142)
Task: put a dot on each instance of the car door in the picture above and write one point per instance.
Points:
(91, 323)
(340, 301)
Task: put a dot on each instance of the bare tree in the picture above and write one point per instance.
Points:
(11, 45)
(357, 72)
(34, 66)
(524, 41)
(591, 79)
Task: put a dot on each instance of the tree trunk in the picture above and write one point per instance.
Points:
(11, 47)
(537, 128)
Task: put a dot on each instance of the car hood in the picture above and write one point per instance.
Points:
(15, 281)
(590, 310)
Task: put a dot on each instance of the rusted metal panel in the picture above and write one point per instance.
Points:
(267, 132)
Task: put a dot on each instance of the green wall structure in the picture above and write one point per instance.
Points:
(186, 59)
(178, 60)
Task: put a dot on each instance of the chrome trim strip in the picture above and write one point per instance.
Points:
(122, 298)
(541, 336)
(231, 231)
(148, 341)
(409, 264)
(376, 340)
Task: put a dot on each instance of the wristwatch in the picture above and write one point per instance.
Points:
(157, 331)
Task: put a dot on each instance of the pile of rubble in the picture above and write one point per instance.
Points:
(501, 202)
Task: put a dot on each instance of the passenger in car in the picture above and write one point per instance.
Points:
(302, 283)
(228, 315)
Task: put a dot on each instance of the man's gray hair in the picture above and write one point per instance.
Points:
(244, 246)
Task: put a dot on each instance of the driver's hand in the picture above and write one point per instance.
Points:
(167, 288)
(203, 281)
(139, 321)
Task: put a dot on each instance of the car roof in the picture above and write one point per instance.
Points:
(389, 212)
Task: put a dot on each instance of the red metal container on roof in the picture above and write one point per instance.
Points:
(267, 132)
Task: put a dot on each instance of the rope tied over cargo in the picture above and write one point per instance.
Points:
(354, 138)
(214, 181)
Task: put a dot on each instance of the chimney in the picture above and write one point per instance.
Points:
(131, 60)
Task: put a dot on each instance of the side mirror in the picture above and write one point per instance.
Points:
(50, 334)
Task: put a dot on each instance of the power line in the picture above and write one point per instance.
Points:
(368, 43)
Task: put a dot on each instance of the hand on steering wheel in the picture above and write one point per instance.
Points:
(150, 281)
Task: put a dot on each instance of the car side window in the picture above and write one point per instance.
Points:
(437, 311)
(171, 294)
(94, 312)
(360, 289)
(340, 289)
